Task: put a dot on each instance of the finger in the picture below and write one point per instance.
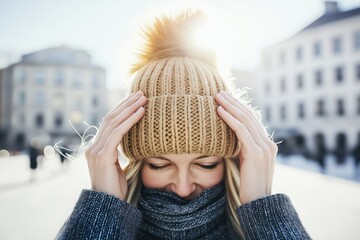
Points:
(122, 117)
(250, 150)
(239, 114)
(103, 131)
(249, 116)
(248, 144)
(116, 136)
(266, 137)
(98, 140)
(246, 110)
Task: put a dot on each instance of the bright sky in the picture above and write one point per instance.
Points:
(104, 27)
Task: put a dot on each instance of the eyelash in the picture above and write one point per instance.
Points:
(154, 167)
(207, 167)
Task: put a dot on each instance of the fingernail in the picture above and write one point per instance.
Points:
(138, 93)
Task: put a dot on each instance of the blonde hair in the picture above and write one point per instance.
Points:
(232, 183)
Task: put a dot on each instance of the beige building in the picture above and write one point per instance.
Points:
(309, 84)
(45, 90)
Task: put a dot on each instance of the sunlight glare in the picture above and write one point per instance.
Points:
(219, 34)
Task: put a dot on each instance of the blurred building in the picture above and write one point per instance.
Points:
(45, 90)
(310, 84)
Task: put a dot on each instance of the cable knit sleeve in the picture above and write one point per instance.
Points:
(98, 215)
(272, 217)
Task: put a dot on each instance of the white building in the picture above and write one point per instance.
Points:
(310, 83)
(46, 89)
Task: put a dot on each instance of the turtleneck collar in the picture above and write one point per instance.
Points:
(168, 216)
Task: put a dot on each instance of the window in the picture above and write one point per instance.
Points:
(77, 81)
(40, 78)
(319, 141)
(21, 76)
(58, 100)
(268, 113)
(282, 85)
(79, 102)
(317, 49)
(300, 81)
(299, 54)
(95, 81)
(318, 77)
(283, 112)
(339, 74)
(336, 44)
(22, 98)
(58, 121)
(357, 71)
(40, 99)
(59, 78)
(95, 101)
(357, 40)
(301, 110)
(340, 111)
(39, 120)
(320, 108)
(341, 144)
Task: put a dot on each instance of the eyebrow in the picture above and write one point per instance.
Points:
(166, 159)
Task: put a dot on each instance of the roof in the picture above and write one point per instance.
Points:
(62, 55)
(332, 17)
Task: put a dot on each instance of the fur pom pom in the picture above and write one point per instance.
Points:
(171, 36)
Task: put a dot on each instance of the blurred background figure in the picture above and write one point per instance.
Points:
(340, 150)
(320, 151)
(33, 152)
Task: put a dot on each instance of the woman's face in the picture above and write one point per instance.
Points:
(187, 175)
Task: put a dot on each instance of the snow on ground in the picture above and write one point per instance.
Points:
(347, 170)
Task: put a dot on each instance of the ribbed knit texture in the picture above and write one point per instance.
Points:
(180, 115)
(273, 217)
(168, 216)
(101, 216)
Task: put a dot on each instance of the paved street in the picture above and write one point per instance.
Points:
(329, 207)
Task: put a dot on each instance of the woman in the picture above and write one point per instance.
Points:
(200, 162)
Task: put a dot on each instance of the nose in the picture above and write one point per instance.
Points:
(183, 186)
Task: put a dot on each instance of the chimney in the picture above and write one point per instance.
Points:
(331, 7)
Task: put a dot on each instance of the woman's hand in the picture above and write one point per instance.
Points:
(257, 150)
(102, 156)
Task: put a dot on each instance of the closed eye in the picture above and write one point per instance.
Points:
(157, 167)
(208, 167)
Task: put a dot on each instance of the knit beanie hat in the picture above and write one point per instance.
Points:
(180, 80)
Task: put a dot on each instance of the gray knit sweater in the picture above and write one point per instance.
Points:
(101, 216)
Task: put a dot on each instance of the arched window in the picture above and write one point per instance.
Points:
(58, 121)
(39, 120)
